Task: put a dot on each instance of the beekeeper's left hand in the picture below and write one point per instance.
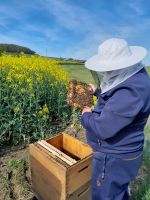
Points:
(86, 109)
(93, 87)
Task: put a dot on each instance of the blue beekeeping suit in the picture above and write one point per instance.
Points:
(115, 131)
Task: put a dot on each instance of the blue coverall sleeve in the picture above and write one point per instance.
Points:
(119, 111)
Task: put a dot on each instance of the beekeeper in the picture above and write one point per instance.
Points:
(115, 127)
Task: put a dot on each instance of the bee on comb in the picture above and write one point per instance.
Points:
(79, 94)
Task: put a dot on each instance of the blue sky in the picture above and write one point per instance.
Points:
(74, 28)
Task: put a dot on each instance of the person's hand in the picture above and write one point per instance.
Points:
(93, 87)
(86, 109)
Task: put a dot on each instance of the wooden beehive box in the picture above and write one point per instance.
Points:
(61, 168)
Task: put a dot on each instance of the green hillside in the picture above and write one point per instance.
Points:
(15, 49)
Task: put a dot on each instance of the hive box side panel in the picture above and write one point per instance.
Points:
(76, 147)
(56, 141)
(78, 175)
(83, 193)
(45, 185)
(48, 177)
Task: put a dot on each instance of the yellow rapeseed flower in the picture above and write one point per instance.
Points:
(16, 109)
(23, 90)
(21, 69)
(40, 112)
(45, 109)
(45, 117)
(95, 100)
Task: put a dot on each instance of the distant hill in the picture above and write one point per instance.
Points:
(15, 49)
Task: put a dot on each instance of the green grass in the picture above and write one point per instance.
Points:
(148, 70)
(147, 145)
(78, 72)
(16, 164)
(18, 167)
(142, 189)
(141, 186)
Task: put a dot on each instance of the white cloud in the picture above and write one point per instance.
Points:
(137, 6)
(70, 16)
(88, 46)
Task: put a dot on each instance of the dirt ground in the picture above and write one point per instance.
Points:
(15, 179)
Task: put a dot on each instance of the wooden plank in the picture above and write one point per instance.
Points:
(45, 185)
(79, 174)
(55, 153)
(59, 171)
(51, 156)
(76, 147)
(83, 193)
(73, 161)
(48, 162)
